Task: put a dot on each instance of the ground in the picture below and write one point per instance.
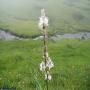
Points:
(19, 64)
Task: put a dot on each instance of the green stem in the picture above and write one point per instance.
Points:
(47, 83)
(45, 50)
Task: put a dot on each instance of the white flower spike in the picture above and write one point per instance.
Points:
(43, 20)
(47, 63)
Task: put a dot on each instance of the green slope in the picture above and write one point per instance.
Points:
(21, 16)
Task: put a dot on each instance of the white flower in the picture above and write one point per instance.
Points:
(42, 66)
(43, 20)
(40, 25)
(50, 64)
(48, 77)
(45, 76)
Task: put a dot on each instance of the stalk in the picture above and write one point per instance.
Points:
(47, 63)
(45, 51)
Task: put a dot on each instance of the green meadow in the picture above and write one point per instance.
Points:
(19, 65)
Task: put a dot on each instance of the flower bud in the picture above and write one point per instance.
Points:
(42, 66)
(48, 77)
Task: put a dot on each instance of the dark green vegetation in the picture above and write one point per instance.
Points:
(21, 16)
(19, 65)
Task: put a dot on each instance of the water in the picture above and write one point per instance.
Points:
(79, 35)
(6, 35)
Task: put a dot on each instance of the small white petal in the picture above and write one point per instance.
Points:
(50, 64)
(42, 66)
(45, 76)
(46, 21)
(49, 77)
(40, 26)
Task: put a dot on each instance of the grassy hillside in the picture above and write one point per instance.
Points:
(21, 16)
(19, 65)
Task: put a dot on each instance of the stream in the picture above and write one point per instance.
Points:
(79, 35)
(6, 35)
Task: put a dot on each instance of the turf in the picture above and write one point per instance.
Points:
(19, 65)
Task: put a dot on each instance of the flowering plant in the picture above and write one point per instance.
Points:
(47, 63)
